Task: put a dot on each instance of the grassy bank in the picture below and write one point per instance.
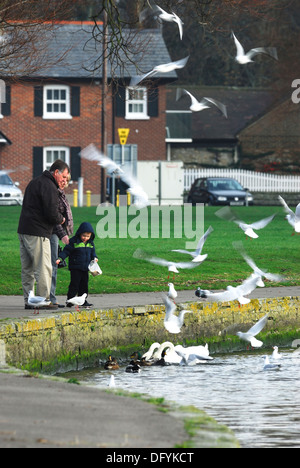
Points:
(275, 250)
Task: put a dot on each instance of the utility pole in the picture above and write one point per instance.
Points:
(104, 104)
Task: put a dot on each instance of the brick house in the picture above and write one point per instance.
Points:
(56, 112)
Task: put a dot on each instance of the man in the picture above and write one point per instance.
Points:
(38, 217)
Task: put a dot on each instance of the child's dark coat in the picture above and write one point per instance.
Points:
(80, 254)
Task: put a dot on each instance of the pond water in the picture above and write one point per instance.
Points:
(261, 407)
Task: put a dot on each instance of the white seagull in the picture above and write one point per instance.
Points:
(77, 301)
(227, 214)
(293, 218)
(164, 68)
(140, 197)
(170, 18)
(173, 267)
(91, 153)
(37, 302)
(257, 271)
(172, 322)
(205, 103)
(231, 293)
(243, 58)
(172, 294)
(268, 366)
(275, 354)
(250, 335)
(197, 257)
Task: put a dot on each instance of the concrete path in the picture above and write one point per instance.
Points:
(40, 413)
(13, 306)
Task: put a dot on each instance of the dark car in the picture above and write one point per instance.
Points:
(219, 191)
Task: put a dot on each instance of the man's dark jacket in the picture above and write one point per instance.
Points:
(40, 211)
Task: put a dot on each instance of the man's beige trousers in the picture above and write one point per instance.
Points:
(36, 265)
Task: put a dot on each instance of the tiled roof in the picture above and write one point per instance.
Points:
(80, 52)
(244, 105)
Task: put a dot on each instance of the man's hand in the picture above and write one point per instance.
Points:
(65, 240)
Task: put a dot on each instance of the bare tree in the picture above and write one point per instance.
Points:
(206, 22)
(25, 26)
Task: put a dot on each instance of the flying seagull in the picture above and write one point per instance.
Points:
(172, 294)
(243, 58)
(91, 153)
(164, 68)
(231, 293)
(293, 218)
(170, 18)
(227, 214)
(172, 322)
(256, 270)
(197, 257)
(250, 335)
(141, 199)
(205, 103)
(173, 267)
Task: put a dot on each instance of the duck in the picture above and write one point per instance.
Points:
(140, 360)
(111, 364)
(133, 368)
(162, 360)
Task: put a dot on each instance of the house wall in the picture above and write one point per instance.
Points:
(272, 143)
(194, 156)
(27, 131)
(149, 135)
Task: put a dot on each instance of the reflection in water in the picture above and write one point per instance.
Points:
(262, 408)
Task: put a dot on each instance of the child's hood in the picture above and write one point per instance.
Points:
(86, 227)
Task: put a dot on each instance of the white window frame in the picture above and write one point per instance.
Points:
(58, 149)
(57, 115)
(144, 102)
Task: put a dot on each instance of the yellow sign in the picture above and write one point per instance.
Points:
(123, 135)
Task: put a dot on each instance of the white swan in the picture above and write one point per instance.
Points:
(148, 355)
(193, 354)
(171, 356)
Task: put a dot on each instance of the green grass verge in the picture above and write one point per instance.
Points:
(275, 250)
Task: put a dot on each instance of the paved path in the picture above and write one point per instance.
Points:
(40, 413)
(13, 306)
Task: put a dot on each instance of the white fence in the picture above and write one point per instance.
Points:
(253, 181)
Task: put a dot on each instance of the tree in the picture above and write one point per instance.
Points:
(24, 28)
(207, 36)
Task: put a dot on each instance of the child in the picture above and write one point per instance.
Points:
(81, 251)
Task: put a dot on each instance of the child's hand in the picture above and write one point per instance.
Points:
(96, 260)
(58, 262)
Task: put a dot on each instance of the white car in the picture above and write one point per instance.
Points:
(10, 194)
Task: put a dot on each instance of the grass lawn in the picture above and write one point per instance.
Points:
(275, 250)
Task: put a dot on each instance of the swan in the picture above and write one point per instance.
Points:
(149, 354)
(171, 357)
(193, 354)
